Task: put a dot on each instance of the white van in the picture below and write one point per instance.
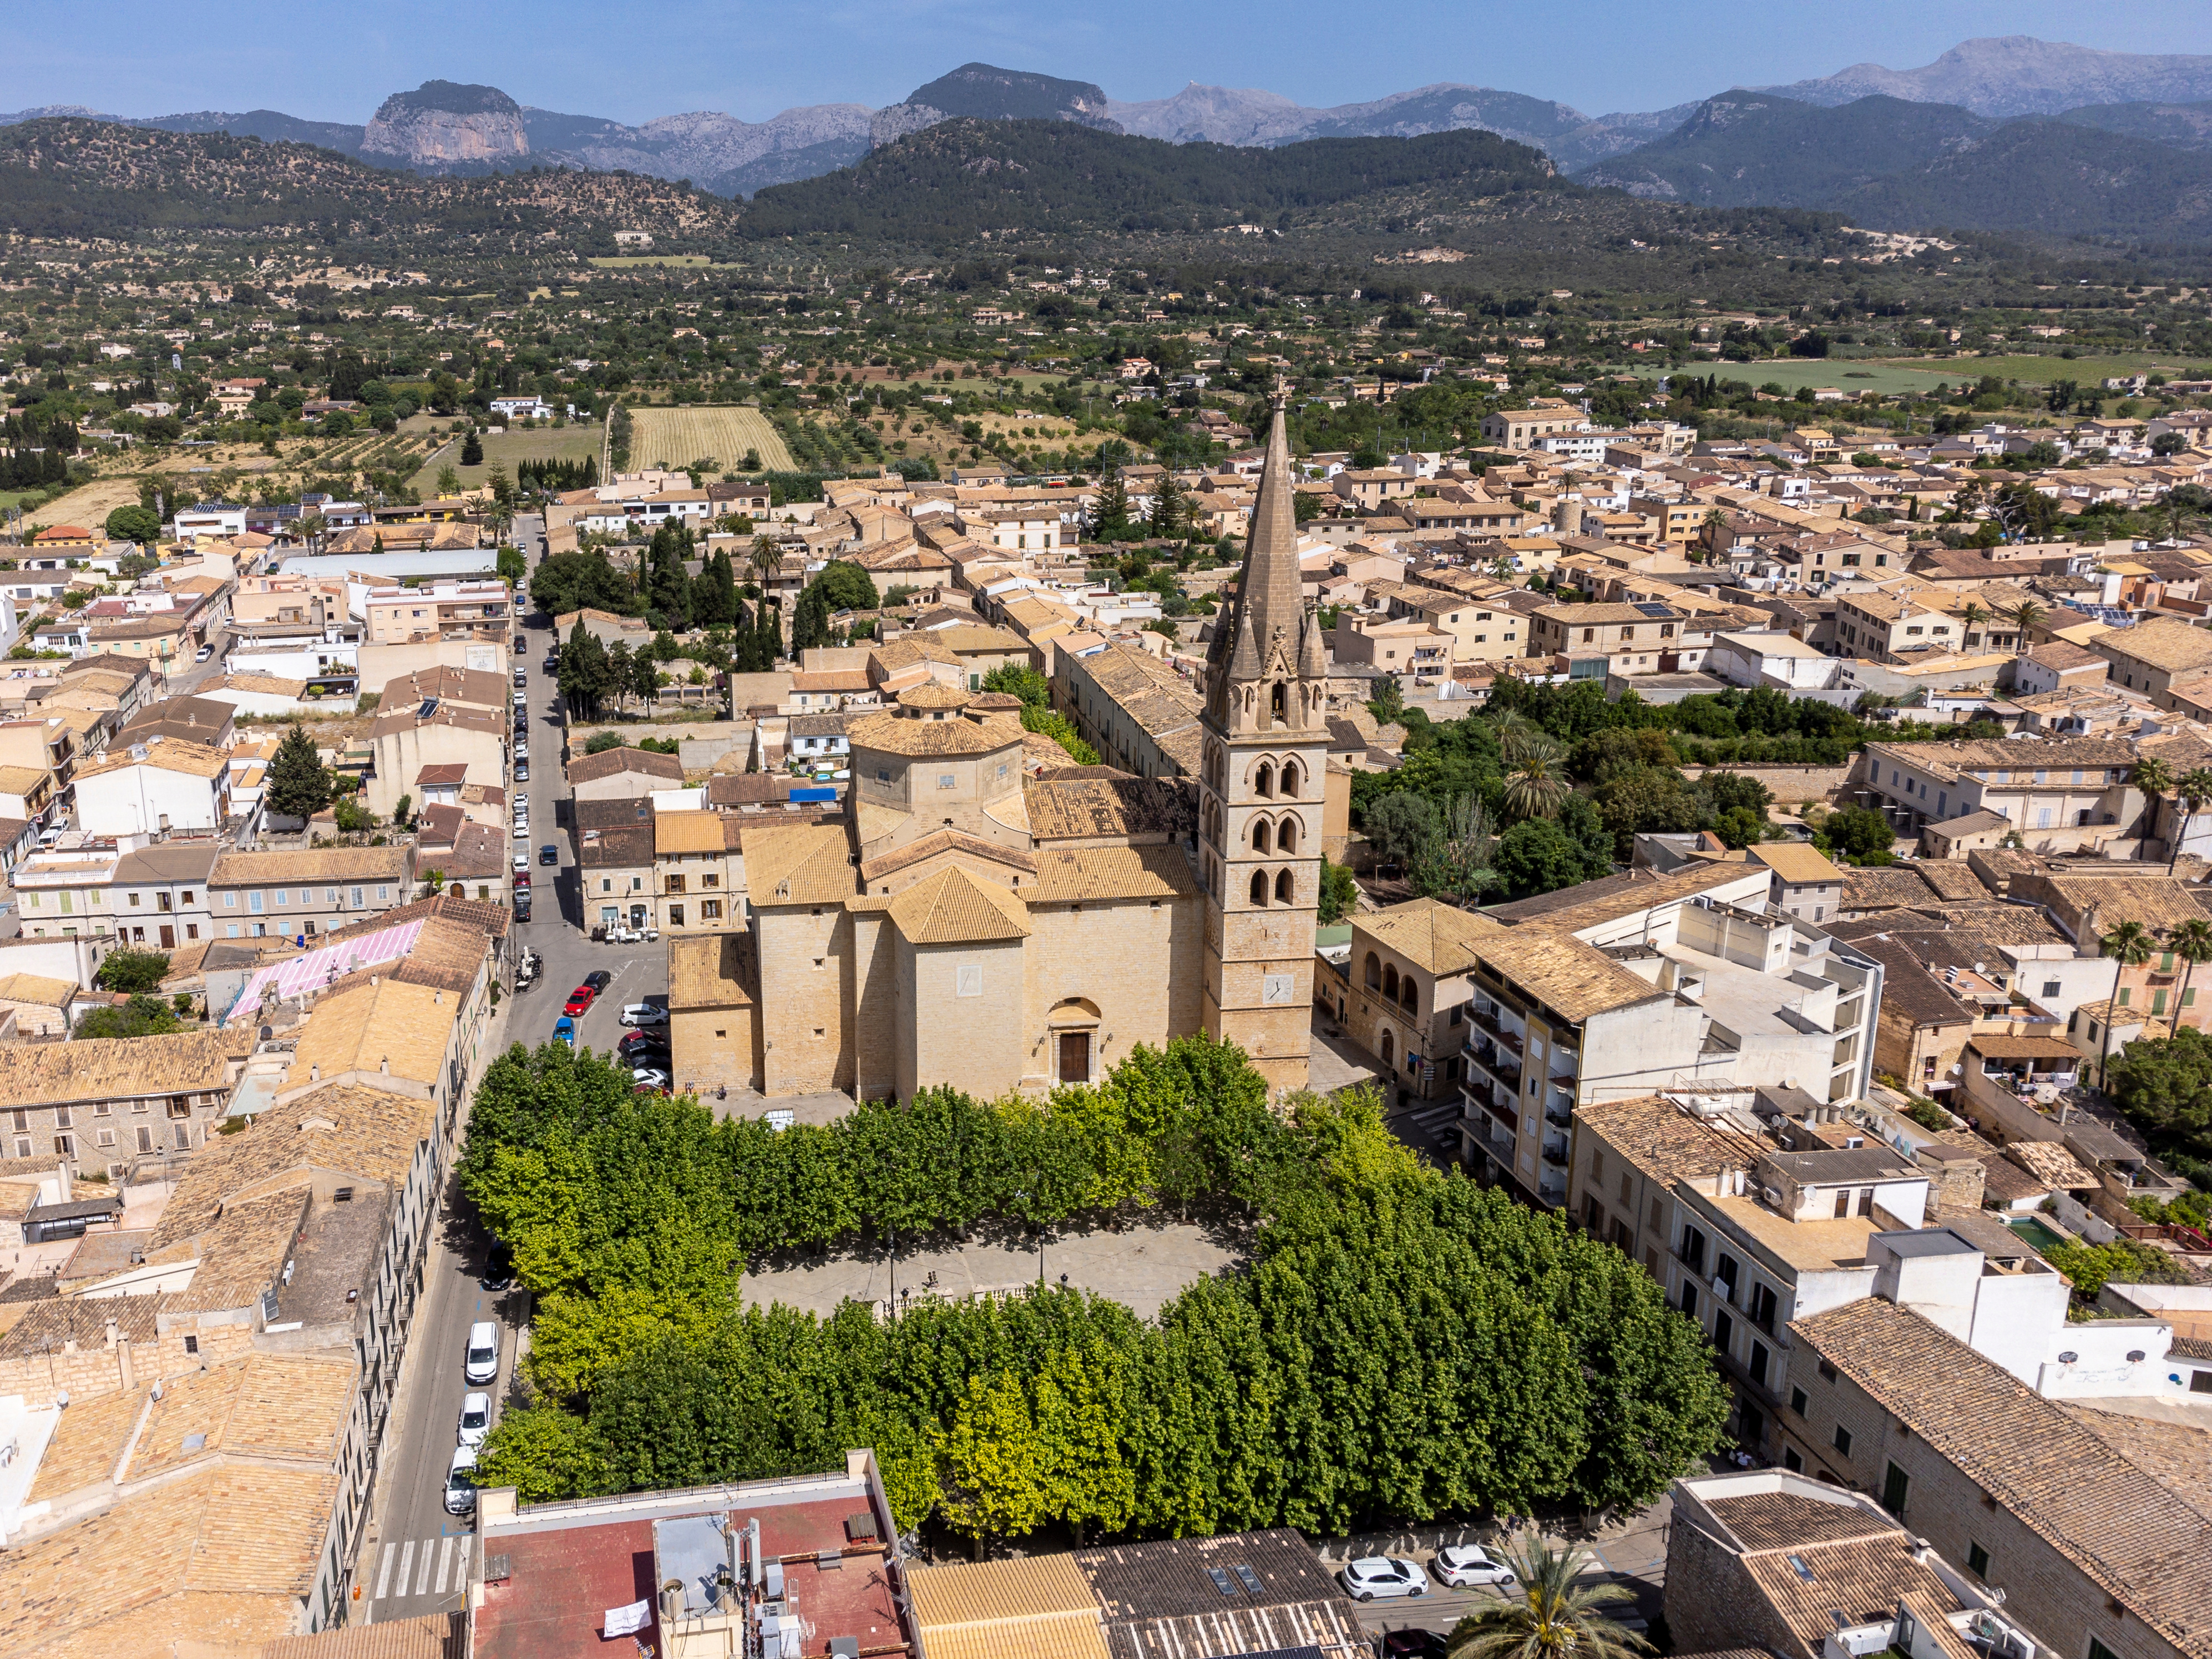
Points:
(483, 1365)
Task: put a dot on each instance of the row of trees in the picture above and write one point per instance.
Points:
(1405, 1345)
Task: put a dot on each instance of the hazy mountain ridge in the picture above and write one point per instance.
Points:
(2019, 74)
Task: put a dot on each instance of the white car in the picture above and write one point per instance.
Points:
(483, 1363)
(460, 1483)
(649, 1077)
(1463, 1565)
(205, 652)
(644, 1013)
(1383, 1575)
(521, 749)
(522, 830)
(521, 863)
(476, 1420)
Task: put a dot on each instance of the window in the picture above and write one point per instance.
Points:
(710, 910)
(1843, 1202)
(1894, 1484)
(1799, 1401)
(947, 781)
(1757, 1367)
(65, 1145)
(1978, 1561)
(253, 903)
(191, 1345)
(356, 898)
(1724, 1330)
(1791, 1461)
(1827, 1372)
(675, 915)
(284, 898)
(1843, 1440)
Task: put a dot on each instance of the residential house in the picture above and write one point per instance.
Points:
(2078, 783)
(1409, 990)
(202, 720)
(307, 891)
(1886, 628)
(1135, 711)
(1598, 639)
(2159, 656)
(159, 787)
(99, 1103)
(38, 1005)
(622, 774)
(1520, 429)
(436, 732)
(698, 872)
(1805, 883)
(615, 869)
(439, 611)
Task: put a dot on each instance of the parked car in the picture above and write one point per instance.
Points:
(549, 854)
(483, 1362)
(522, 751)
(204, 652)
(1415, 1644)
(522, 878)
(564, 1031)
(1462, 1565)
(644, 1047)
(599, 979)
(460, 1482)
(649, 1077)
(522, 909)
(521, 863)
(581, 999)
(1385, 1576)
(476, 1420)
(643, 1013)
(522, 829)
(522, 771)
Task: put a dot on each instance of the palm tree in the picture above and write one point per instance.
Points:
(766, 558)
(1547, 1615)
(1972, 616)
(1537, 783)
(2154, 778)
(1513, 728)
(2024, 617)
(2191, 794)
(2190, 941)
(2129, 945)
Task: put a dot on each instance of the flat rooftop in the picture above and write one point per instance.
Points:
(565, 1564)
(1827, 1245)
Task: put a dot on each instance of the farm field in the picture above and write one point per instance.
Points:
(1896, 374)
(576, 441)
(676, 435)
(627, 261)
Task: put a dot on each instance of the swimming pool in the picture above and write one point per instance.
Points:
(2038, 1236)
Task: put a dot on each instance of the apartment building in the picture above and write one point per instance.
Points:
(1410, 985)
(1804, 883)
(1483, 628)
(159, 786)
(1888, 627)
(433, 732)
(97, 1103)
(2068, 783)
(1632, 984)
(307, 891)
(1597, 639)
(439, 611)
(38, 765)
(2079, 1513)
(1137, 712)
(698, 872)
(1520, 429)
(2159, 656)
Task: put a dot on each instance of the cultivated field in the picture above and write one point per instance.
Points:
(1896, 374)
(676, 436)
(575, 441)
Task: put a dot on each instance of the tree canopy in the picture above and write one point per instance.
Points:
(299, 783)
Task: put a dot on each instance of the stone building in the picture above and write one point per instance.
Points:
(988, 917)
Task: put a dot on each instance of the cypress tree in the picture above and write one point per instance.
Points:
(299, 783)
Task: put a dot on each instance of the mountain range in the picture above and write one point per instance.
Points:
(2115, 143)
(449, 127)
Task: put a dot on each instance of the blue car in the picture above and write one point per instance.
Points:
(564, 1031)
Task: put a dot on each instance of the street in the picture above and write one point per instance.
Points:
(414, 1554)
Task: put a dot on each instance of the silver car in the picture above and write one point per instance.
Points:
(1384, 1576)
(1463, 1565)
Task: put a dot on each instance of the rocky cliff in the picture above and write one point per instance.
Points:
(441, 127)
(983, 93)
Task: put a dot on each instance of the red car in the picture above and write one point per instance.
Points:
(522, 878)
(579, 999)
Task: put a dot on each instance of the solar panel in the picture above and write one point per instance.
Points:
(1651, 608)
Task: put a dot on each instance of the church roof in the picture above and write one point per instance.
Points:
(955, 908)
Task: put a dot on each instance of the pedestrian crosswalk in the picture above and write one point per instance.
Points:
(422, 1566)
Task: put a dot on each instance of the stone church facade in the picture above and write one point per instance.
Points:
(991, 917)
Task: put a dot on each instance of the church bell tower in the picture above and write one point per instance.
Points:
(1263, 770)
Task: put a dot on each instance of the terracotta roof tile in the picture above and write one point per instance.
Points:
(955, 908)
(184, 1062)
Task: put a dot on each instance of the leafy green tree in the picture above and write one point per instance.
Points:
(546, 1454)
(510, 564)
(579, 581)
(1859, 833)
(299, 783)
(1537, 856)
(2164, 1085)
(1402, 828)
(1015, 679)
(133, 971)
(600, 742)
(1339, 893)
(143, 1016)
(135, 524)
(845, 587)
(995, 1463)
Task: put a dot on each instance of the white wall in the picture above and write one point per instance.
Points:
(133, 800)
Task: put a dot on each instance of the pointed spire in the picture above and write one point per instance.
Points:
(1267, 590)
(1244, 662)
(1313, 657)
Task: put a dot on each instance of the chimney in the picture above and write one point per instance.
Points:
(110, 1333)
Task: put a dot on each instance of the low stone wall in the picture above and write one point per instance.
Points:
(1788, 784)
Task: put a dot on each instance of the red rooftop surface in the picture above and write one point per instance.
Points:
(549, 1574)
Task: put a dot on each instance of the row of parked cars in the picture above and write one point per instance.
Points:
(479, 1363)
(1459, 1566)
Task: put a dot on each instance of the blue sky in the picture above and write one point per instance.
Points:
(337, 62)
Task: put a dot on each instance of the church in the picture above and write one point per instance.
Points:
(989, 916)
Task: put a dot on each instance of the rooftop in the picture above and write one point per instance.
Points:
(385, 1027)
(1438, 938)
(2126, 1530)
(183, 1062)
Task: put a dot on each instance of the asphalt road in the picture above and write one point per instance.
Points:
(413, 1560)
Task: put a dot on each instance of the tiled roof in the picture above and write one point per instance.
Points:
(944, 841)
(1576, 980)
(180, 755)
(2162, 642)
(687, 832)
(617, 846)
(1037, 1607)
(1436, 937)
(54, 1321)
(589, 769)
(1069, 875)
(1795, 862)
(36, 989)
(1101, 802)
(894, 733)
(118, 1068)
(2126, 1531)
(273, 866)
(711, 970)
(955, 908)
(806, 864)
(1862, 1579)
(241, 1253)
(433, 1636)
(346, 1128)
(2178, 1455)
(385, 1026)
(1664, 1141)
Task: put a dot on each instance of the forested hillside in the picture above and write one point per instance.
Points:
(964, 176)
